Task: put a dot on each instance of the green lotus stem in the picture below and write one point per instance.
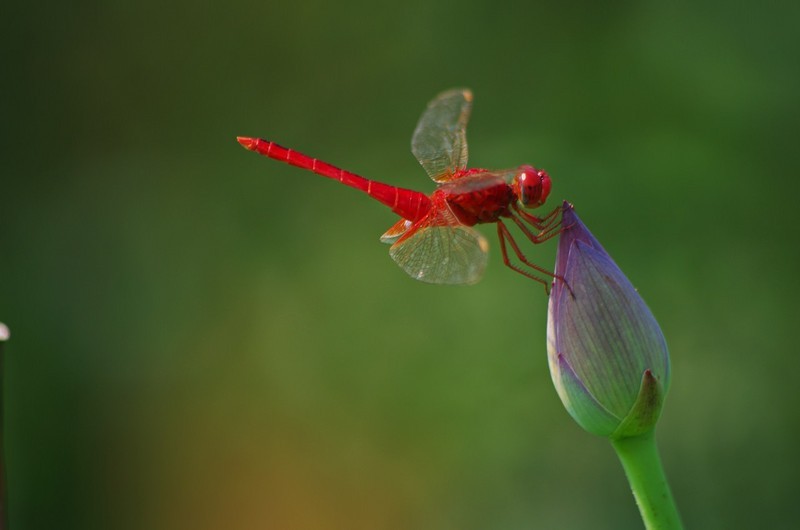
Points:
(639, 457)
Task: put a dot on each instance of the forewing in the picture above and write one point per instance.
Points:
(440, 139)
(438, 249)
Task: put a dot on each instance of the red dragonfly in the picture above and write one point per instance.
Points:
(434, 240)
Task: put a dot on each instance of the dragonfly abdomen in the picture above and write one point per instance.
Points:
(409, 204)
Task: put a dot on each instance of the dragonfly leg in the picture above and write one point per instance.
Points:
(504, 235)
(548, 231)
(539, 223)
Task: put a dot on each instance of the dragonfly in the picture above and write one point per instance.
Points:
(435, 240)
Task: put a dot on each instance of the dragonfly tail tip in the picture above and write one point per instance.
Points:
(247, 143)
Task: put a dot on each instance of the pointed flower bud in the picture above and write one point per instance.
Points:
(607, 355)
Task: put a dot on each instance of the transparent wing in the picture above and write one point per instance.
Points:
(440, 139)
(438, 249)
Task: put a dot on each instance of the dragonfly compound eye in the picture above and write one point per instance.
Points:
(532, 186)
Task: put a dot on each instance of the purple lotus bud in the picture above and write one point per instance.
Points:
(607, 355)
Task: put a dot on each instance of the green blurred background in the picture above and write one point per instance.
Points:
(204, 338)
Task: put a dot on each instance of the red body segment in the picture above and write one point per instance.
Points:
(409, 204)
(480, 206)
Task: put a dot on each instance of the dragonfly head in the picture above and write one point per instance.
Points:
(531, 186)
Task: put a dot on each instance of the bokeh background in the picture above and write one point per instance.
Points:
(204, 338)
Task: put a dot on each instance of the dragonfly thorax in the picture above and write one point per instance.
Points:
(531, 186)
(482, 205)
